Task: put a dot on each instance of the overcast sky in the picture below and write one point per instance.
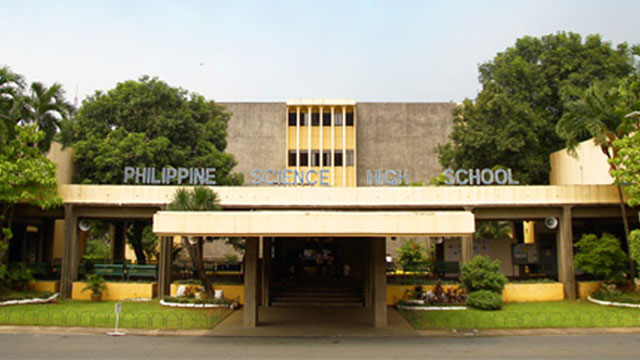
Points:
(275, 50)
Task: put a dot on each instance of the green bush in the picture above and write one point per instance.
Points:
(482, 274)
(602, 258)
(634, 244)
(485, 300)
(411, 255)
(19, 276)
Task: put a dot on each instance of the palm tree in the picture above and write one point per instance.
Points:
(599, 112)
(11, 88)
(200, 199)
(46, 107)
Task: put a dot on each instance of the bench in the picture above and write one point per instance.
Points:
(142, 271)
(109, 270)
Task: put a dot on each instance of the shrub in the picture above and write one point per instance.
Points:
(19, 276)
(485, 300)
(412, 254)
(602, 258)
(482, 274)
(634, 245)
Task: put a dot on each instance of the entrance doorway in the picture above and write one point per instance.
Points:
(323, 271)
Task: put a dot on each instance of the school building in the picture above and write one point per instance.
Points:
(326, 201)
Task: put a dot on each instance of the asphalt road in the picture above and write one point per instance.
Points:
(29, 346)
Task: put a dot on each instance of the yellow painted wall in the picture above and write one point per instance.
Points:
(589, 167)
(511, 292)
(586, 288)
(230, 292)
(45, 285)
(117, 291)
(533, 292)
(64, 162)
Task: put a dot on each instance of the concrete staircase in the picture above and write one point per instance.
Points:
(317, 296)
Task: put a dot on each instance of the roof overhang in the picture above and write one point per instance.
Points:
(314, 223)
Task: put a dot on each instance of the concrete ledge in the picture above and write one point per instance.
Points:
(533, 292)
(117, 291)
(45, 285)
(230, 292)
(586, 288)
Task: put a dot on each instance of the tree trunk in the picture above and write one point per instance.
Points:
(134, 238)
(196, 260)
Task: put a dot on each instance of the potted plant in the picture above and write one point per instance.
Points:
(96, 284)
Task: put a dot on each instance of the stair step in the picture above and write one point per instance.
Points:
(308, 303)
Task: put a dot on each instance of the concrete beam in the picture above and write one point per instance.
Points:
(565, 254)
(515, 213)
(311, 223)
(250, 311)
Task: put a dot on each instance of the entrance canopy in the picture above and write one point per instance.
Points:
(314, 223)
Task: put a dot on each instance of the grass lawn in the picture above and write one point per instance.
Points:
(141, 315)
(580, 313)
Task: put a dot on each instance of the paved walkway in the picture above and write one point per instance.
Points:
(317, 321)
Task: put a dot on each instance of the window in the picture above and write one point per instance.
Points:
(303, 119)
(292, 158)
(326, 158)
(292, 119)
(338, 117)
(315, 158)
(315, 119)
(326, 119)
(304, 158)
(338, 158)
(349, 119)
(349, 157)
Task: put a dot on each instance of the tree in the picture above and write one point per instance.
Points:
(600, 112)
(11, 89)
(46, 107)
(627, 166)
(512, 121)
(200, 199)
(601, 257)
(26, 177)
(147, 123)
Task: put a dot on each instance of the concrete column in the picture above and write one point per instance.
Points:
(250, 318)
(466, 253)
(309, 137)
(355, 149)
(69, 268)
(321, 139)
(379, 282)
(333, 146)
(164, 266)
(368, 263)
(564, 240)
(298, 138)
(344, 146)
(266, 265)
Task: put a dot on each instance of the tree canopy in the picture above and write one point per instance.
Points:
(147, 123)
(512, 121)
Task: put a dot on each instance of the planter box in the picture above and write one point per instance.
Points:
(533, 292)
(45, 285)
(230, 292)
(117, 291)
(586, 288)
(396, 292)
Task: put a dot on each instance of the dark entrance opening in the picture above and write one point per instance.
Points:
(317, 271)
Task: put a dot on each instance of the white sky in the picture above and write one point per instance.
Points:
(275, 50)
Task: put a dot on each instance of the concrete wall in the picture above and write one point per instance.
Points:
(496, 249)
(64, 162)
(257, 136)
(589, 167)
(401, 136)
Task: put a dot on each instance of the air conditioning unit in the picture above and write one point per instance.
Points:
(551, 222)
